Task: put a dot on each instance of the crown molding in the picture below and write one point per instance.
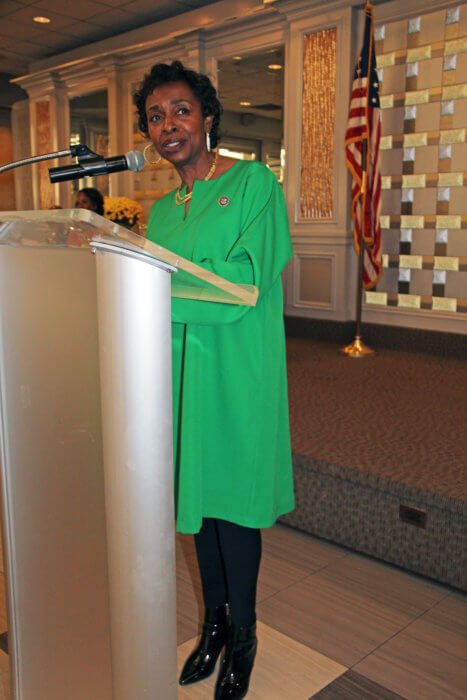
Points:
(42, 85)
(393, 10)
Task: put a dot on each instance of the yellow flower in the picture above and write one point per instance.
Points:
(122, 210)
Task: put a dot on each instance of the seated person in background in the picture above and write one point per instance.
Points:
(90, 198)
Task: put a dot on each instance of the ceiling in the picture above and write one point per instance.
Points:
(76, 23)
(73, 23)
(250, 79)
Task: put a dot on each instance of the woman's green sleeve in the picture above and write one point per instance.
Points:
(258, 257)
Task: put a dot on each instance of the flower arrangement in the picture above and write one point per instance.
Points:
(122, 210)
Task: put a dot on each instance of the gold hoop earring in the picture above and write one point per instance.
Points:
(151, 162)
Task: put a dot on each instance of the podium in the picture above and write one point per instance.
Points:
(86, 454)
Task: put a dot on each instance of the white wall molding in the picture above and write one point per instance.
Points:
(415, 318)
(300, 303)
(41, 85)
(295, 10)
(344, 264)
(334, 238)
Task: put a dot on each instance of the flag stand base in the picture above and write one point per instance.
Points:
(357, 349)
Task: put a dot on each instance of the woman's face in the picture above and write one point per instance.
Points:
(83, 202)
(176, 125)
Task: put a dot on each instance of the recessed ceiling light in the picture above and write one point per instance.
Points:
(236, 58)
(245, 103)
(41, 20)
(275, 66)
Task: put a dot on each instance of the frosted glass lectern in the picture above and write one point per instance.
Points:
(86, 454)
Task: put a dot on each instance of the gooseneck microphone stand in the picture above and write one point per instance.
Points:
(82, 152)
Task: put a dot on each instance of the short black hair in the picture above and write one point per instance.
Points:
(200, 85)
(96, 198)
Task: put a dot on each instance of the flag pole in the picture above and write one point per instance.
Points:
(359, 130)
(357, 348)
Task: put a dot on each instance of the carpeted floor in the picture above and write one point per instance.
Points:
(397, 415)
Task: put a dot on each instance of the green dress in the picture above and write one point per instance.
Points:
(232, 451)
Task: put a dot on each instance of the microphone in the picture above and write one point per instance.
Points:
(133, 160)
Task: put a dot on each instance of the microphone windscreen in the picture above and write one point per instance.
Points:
(135, 160)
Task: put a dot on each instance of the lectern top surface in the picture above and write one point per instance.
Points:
(79, 228)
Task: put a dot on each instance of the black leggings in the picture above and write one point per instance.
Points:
(228, 560)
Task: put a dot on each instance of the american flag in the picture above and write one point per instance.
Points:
(365, 123)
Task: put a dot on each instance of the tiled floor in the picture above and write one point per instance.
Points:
(333, 625)
(352, 627)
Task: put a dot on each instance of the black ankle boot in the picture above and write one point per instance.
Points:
(201, 662)
(234, 673)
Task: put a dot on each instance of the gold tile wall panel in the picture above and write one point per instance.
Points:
(380, 298)
(387, 59)
(387, 101)
(411, 262)
(409, 181)
(385, 143)
(421, 53)
(413, 140)
(450, 179)
(318, 123)
(446, 263)
(452, 136)
(409, 301)
(451, 221)
(454, 92)
(417, 97)
(433, 94)
(444, 304)
(423, 70)
(455, 47)
(412, 221)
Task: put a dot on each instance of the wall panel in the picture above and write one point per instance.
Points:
(424, 222)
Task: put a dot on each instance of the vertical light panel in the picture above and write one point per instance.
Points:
(318, 120)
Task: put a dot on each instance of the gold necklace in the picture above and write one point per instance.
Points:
(183, 199)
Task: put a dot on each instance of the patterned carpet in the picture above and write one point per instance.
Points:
(396, 415)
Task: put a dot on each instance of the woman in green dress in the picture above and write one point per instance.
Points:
(233, 471)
